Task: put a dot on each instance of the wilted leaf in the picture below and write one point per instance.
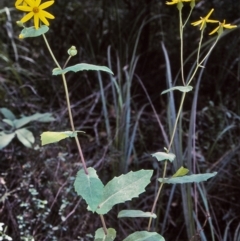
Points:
(123, 188)
(89, 187)
(48, 137)
(144, 236)
(188, 179)
(81, 67)
(181, 172)
(135, 214)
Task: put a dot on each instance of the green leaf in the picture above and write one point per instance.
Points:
(48, 137)
(5, 139)
(181, 172)
(32, 32)
(188, 179)
(180, 88)
(89, 187)
(25, 136)
(9, 122)
(144, 236)
(162, 156)
(123, 188)
(135, 214)
(100, 235)
(46, 117)
(81, 67)
(7, 114)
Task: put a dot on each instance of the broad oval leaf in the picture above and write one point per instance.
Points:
(7, 114)
(25, 136)
(89, 187)
(123, 188)
(188, 179)
(144, 236)
(181, 172)
(9, 122)
(48, 137)
(46, 117)
(101, 236)
(81, 67)
(186, 88)
(33, 32)
(135, 214)
(162, 156)
(5, 139)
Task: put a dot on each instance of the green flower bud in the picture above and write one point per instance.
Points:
(72, 51)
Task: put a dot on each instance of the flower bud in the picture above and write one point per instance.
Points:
(72, 51)
(20, 24)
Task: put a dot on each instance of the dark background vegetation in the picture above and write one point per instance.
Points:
(41, 201)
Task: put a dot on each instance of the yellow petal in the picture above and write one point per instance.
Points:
(36, 21)
(27, 17)
(24, 8)
(214, 30)
(47, 14)
(31, 3)
(46, 4)
(43, 19)
(38, 2)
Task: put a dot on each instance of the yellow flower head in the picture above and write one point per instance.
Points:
(35, 10)
(204, 21)
(221, 26)
(177, 1)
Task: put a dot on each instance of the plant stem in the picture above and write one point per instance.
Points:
(157, 196)
(104, 224)
(68, 104)
(181, 47)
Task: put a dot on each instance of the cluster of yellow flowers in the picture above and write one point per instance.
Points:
(205, 20)
(34, 10)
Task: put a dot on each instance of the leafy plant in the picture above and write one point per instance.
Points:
(11, 127)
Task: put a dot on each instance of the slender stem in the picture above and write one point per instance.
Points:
(181, 44)
(199, 64)
(68, 104)
(157, 196)
(50, 51)
(69, 57)
(104, 224)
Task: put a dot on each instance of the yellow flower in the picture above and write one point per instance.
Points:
(19, 2)
(35, 10)
(177, 2)
(221, 26)
(204, 21)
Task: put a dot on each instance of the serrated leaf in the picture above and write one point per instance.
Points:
(33, 32)
(188, 179)
(89, 187)
(81, 67)
(48, 137)
(25, 136)
(181, 172)
(5, 139)
(162, 156)
(180, 88)
(135, 214)
(123, 188)
(100, 235)
(144, 236)
(7, 113)
(36, 117)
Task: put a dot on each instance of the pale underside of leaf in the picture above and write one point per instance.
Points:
(135, 214)
(144, 236)
(162, 156)
(180, 88)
